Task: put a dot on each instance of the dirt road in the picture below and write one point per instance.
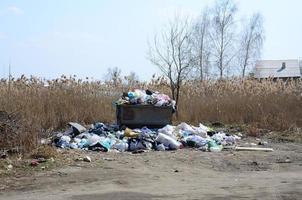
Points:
(183, 174)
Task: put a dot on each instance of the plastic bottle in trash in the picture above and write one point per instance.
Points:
(168, 141)
(121, 146)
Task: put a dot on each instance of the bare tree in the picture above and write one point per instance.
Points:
(251, 42)
(200, 39)
(132, 79)
(114, 75)
(171, 53)
(223, 34)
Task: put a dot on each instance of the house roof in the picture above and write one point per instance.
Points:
(277, 69)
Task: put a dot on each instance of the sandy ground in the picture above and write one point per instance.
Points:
(183, 174)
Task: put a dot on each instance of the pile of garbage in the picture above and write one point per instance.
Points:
(145, 97)
(102, 137)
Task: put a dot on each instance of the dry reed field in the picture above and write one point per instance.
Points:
(38, 107)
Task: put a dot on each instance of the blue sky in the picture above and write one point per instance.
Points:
(84, 37)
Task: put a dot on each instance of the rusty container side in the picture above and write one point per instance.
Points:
(137, 116)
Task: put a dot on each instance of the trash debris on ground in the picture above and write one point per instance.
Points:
(104, 138)
(34, 163)
(87, 159)
(3, 154)
(253, 149)
(41, 160)
(9, 167)
(77, 128)
(108, 159)
(263, 143)
(287, 160)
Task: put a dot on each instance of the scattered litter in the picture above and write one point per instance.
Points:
(160, 147)
(129, 133)
(77, 128)
(169, 142)
(3, 154)
(253, 149)
(9, 167)
(287, 160)
(62, 173)
(263, 143)
(138, 151)
(214, 147)
(45, 141)
(34, 163)
(87, 159)
(108, 159)
(41, 160)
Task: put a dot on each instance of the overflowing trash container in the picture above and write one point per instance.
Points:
(139, 108)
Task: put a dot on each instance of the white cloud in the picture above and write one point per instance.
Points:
(15, 10)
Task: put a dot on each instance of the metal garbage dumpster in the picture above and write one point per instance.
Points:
(137, 116)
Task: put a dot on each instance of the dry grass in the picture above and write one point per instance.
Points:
(44, 151)
(44, 106)
(267, 104)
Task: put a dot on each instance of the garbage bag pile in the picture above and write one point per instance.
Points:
(102, 137)
(145, 97)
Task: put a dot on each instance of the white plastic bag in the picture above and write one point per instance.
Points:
(168, 141)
